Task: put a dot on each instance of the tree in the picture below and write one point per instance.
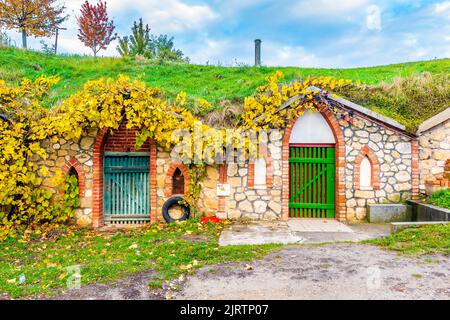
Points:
(96, 30)
(124, 47)
(38, 18)
(141, 42)
(164, 49)
(138, 43)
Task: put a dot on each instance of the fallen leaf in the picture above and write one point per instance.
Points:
(62, 276)
(248, 267)
(169, 296)
(133, 246)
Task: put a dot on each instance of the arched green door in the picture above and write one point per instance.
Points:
(312, 181)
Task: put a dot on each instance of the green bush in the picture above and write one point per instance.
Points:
(441, 199)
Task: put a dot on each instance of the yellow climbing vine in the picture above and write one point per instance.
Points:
(106, 103)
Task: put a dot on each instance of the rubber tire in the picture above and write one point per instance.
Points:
(169, 204)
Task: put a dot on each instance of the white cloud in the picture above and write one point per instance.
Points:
(373, 19)
(277, 54)
(327, 8)
(443, 7)
(167, 16)
(410, 40)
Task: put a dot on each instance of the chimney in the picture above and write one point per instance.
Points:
(258, 53)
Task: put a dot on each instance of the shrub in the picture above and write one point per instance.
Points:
(441, 199)
(24, 124)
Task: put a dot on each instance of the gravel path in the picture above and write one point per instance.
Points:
(334, 271)
(337, 271)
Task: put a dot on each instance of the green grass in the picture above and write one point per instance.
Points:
(432, 239)
(441, 199)
(209, 82)
(108, 257)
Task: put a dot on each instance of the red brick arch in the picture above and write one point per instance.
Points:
(97, 192)
(341, 209)
(73, 163)
(375, 166)
(169, 177)
(269, 168)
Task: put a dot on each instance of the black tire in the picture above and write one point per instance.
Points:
(170, 203)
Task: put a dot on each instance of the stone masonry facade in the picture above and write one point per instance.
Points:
(434, 147)
(394, 155)
(250, 202)
(391, 154)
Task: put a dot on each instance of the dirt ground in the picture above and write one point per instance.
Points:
(335, 271)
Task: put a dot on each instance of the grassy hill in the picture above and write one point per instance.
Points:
(210, 82)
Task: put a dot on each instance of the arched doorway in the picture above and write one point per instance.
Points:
(124, 183)
(313, 168)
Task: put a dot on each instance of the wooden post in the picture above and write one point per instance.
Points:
(56, 39)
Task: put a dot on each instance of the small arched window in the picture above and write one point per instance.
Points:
(73, 172)
(178, 182)
(365, 175)
(74, 169)
(367, 170)
(260, 172)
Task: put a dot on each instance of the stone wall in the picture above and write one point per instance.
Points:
(434, 145)
(392, 150)
(253, 203)
(208, 201)
(394, 153)
(64, 155)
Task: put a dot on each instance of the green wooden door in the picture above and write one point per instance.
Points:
(312, 181)
(126, 188)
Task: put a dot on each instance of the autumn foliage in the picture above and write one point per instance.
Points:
(96, 30)
(37, 18)
(25, 124)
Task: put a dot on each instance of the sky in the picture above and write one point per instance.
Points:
(304, 33)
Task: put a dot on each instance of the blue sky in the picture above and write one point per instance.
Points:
(308, 33)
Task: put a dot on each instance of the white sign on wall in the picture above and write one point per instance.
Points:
(223, 190)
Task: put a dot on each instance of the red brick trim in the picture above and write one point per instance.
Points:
(415, 171)
(97, 192)
(375, 168)
(341, 209)
(153, 195)
(169, 177)
(269, 168)
(73, 163)
(97, 187)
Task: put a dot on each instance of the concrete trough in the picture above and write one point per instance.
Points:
(428, 212)
(386, 213)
